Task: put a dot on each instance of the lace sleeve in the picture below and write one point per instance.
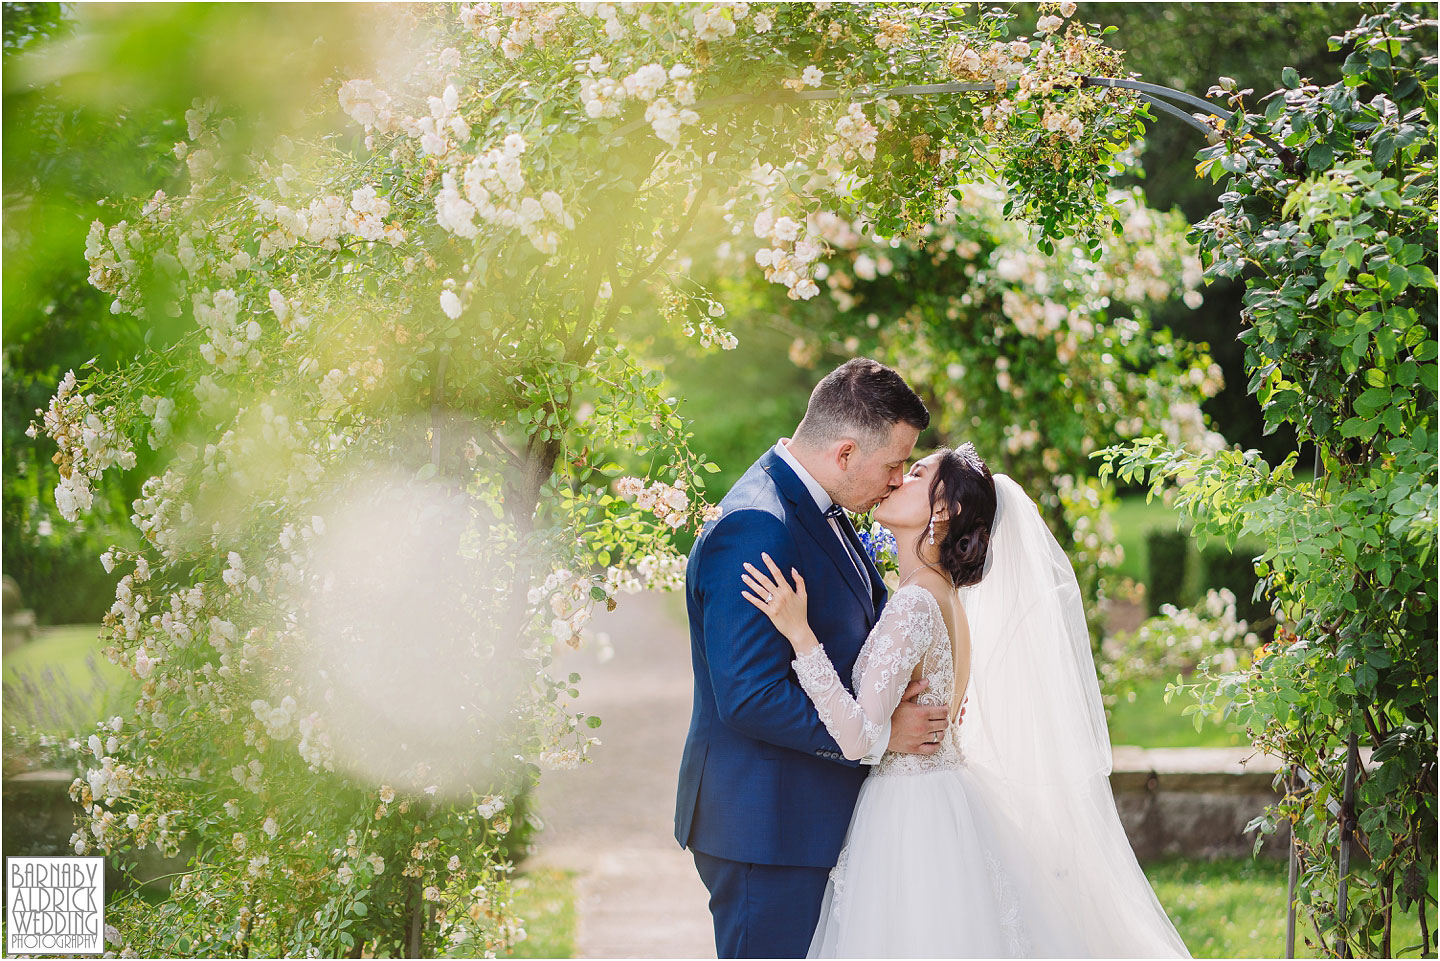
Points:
(892, 650)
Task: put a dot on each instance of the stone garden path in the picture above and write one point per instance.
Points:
(637, 893)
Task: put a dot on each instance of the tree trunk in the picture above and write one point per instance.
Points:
(414, 942)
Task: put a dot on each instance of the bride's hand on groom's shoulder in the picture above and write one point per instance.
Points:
(785, 606)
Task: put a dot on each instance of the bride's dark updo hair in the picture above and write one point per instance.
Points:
(962, 483)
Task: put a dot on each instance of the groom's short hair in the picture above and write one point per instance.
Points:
(862, 399)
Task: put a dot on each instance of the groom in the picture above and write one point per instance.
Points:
(765, 792)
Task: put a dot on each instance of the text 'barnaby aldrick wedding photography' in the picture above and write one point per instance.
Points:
(55, 905)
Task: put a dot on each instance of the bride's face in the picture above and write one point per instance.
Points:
(908, 508)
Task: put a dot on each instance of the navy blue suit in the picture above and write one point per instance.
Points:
(765, 793)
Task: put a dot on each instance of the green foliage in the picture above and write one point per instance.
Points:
(1034, 358)
(1334, 235)
(1186, 45)
(59, 162)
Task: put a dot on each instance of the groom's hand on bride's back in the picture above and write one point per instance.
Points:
(913, 726)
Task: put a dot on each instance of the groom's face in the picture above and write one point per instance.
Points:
(870, 476)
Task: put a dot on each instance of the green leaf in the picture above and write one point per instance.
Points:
(1356, 427)
(1375, 398)
(1382, 148)
(1290, 78)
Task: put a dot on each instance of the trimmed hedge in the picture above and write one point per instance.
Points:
(1169, 554)
(1236, 570)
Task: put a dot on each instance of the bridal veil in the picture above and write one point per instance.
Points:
(1034, 735)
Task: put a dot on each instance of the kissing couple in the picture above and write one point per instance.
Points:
(834, 799)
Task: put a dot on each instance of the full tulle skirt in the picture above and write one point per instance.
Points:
(935, 866)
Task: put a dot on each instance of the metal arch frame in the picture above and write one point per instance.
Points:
(1152, 94)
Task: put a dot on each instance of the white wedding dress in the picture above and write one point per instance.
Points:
(1005, 842)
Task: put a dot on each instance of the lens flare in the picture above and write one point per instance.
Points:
(406, 637)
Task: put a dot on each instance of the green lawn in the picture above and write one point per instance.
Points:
(1148, 721)
(546, 900)
(60, 683)
(1235, 908)
(1230, 908)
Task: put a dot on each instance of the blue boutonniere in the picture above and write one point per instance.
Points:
(879, 543)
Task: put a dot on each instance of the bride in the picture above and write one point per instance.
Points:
(1006, 841)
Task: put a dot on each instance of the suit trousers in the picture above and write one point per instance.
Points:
(762, 910)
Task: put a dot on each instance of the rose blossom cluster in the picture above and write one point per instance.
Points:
(603, 96)
(1037, 69)
(1057, 121)
(666, 572)
(570, 598)
(368, 105)
(997, 62)
(287, 312)
(326, 220)
(445, 120)
(89, 442)
(529, 24)
(712, 335)
(113, 268)
(789, 259)
(716, 21)
(492, 187)
(669, 503)
(855, 135)
(230, 341)
(1210, 629)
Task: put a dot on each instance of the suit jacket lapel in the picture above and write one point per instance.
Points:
(817, 526)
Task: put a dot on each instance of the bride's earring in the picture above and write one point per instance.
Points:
(932, 528)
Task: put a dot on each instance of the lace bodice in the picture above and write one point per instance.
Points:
(911, 631)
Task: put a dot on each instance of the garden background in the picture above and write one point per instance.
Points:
(1041, 358)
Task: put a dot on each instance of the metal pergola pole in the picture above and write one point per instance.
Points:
(1294, 876)
(1347, 828)
(1152, 93)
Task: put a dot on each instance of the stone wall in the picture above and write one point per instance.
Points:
(1196, 801)
(1190, 802)
(40, 817)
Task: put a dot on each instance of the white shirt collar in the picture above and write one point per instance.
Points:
(822, 499)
